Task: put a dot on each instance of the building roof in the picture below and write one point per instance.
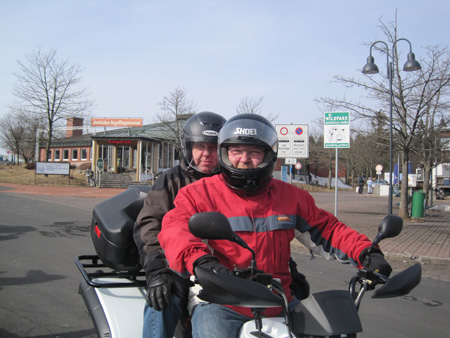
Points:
(74, 141)
(156, 132)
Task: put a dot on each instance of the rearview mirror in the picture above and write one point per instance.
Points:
(210, 225)
(389, 227)
(214, 225)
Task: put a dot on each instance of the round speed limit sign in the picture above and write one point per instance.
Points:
(298, 166)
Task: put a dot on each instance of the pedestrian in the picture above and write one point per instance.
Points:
(369, 185)
(166, 292)
(265, 212)
(361, 179)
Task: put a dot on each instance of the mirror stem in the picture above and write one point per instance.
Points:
(253, 262)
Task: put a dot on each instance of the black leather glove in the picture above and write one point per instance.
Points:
(299, 285)
(212, 263)
(375, 261)
(159, 291)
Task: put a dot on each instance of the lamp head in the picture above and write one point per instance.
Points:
(370, 67)
(412, 64)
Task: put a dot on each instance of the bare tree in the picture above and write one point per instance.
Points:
(18, 131)
(435, 118)
(13, 134)
(414, 95)
(254, 106)
(176, 109)
(49, 89)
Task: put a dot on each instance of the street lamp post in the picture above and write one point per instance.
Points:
(371, 68)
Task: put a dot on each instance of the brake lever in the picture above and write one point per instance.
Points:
(382, 277)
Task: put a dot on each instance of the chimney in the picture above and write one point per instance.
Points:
(74, 122)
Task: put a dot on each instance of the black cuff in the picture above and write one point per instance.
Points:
(204, 259)
(154, 267)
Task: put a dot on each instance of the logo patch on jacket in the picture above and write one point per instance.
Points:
(283, 218)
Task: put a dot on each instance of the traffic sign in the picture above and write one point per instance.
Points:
(100, 164)
(298, 166)
(293, 141)
(336, 130)
(290, 160)
(379, 169)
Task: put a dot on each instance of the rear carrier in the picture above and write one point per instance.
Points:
(112, 229)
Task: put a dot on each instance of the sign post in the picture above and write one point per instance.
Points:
(379, 169)
(100, 163)
(298, 166)
(293, 143)
(100, 168)
(336, 134)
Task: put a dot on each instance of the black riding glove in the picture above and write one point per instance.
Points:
(375, 261)
(299, 285)
(212, 263)
(159, 291)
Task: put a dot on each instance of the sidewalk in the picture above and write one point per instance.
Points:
(426, 240)
(69, 191)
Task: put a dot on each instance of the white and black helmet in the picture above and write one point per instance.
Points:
(201, 127)
(248, 129)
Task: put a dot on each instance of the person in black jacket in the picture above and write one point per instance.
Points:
(361, 180)
(166, 291)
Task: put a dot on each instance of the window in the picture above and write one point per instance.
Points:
(445, 143)
(49, 155)
(74, 154)
(57, 155)
(84, 154)
(65, 154)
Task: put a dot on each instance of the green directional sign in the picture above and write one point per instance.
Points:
(336, 130)
(100, 164)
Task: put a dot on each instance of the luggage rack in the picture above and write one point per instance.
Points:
(105, 277)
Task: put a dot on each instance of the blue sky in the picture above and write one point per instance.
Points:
(135, 52)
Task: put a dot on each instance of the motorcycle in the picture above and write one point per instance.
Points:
(113, 284)
(332, 313)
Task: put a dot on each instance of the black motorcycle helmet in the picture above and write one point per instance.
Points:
(249, 129)
(201, 127)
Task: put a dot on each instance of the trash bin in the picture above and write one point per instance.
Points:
(418, 204)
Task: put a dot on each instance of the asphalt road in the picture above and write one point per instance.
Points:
(41, 235)
(422, 313)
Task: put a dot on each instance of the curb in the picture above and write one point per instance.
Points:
(418, 259)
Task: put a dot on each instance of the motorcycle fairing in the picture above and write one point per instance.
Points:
(327, 313)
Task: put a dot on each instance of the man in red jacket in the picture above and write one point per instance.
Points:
(266, 213)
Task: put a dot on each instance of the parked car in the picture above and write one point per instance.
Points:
(380, 182)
